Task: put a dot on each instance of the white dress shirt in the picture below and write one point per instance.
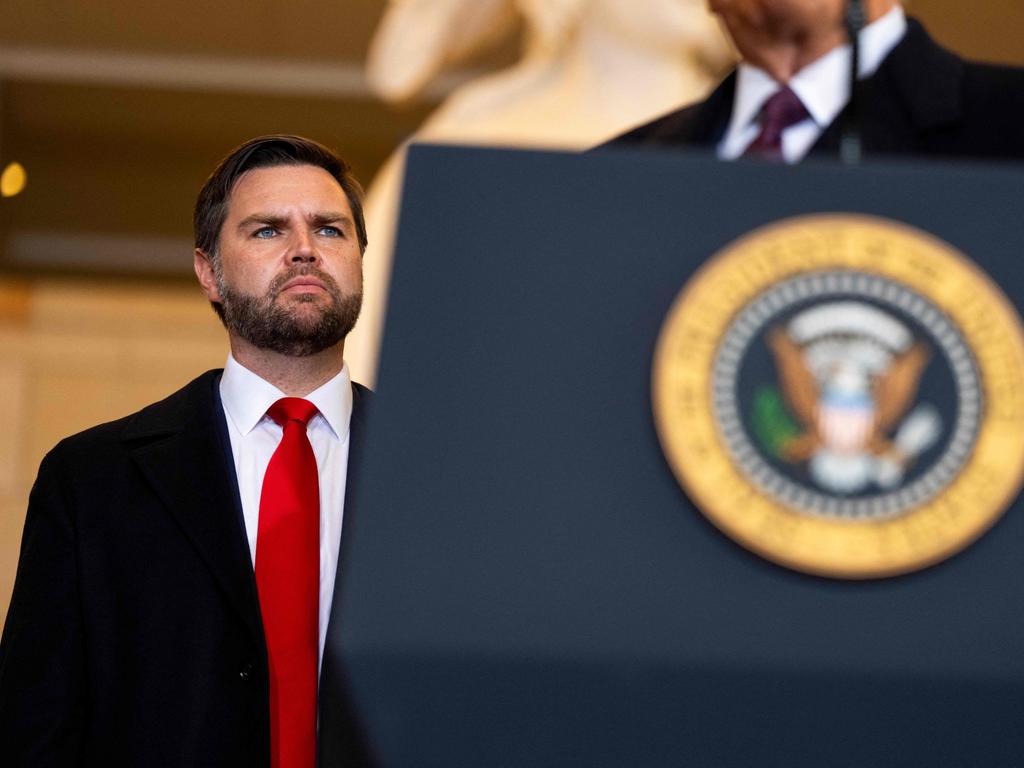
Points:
(823, 86)
(254, 438)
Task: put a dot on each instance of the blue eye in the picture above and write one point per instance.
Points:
(264, 233)
(330, 231)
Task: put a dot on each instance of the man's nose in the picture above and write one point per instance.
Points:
(304, 249)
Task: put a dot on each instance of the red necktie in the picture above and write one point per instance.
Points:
(288, 581)
(781, 111)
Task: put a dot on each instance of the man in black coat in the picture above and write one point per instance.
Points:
(914, 97)
(138, 628)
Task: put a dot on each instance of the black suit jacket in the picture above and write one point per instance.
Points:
(134, 633)
(923, 100)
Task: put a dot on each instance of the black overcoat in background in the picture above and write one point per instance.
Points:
(922, 101)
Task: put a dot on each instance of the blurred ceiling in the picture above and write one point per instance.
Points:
(118, 109)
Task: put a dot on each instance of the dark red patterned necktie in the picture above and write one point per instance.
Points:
(781, 111)
(288, 580)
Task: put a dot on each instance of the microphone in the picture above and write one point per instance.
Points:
(851, 149)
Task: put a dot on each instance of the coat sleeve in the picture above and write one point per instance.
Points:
(42, 660)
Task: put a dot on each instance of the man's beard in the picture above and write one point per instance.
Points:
(286, 329)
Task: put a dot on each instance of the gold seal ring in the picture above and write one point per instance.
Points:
(864, 481)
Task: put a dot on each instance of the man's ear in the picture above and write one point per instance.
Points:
(203, 264)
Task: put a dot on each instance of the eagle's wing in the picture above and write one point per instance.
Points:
(798, 383)
(896, 389)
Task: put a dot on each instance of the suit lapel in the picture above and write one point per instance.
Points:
(711, 117)
(177, 448)
(915, 91)
(700, 124)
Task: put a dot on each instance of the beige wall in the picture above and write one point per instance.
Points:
(987, 30)
(74, 353)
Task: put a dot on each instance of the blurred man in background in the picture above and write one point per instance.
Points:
(173, 599)
(790, 95)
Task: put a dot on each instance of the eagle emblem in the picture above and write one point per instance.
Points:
(844, 405)
(841, 394)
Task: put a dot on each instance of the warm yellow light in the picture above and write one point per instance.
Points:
(12, 180)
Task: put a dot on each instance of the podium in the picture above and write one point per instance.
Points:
(525, 580)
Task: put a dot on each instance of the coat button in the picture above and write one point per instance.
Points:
(245, 673)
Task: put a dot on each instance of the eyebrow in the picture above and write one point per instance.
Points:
(276, 220)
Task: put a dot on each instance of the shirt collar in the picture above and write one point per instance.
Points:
(246, 398)
(823, 85)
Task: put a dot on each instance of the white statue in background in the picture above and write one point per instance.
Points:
(589, 70)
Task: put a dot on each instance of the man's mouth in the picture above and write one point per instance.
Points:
(304, 284)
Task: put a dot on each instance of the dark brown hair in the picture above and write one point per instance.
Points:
(268, 152)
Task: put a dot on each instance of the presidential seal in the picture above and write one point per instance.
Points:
(843, 395)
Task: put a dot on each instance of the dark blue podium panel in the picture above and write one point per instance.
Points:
(527, 584)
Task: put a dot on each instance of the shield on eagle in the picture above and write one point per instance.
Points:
(849, 373)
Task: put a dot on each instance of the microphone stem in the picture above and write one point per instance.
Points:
(851, 149)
